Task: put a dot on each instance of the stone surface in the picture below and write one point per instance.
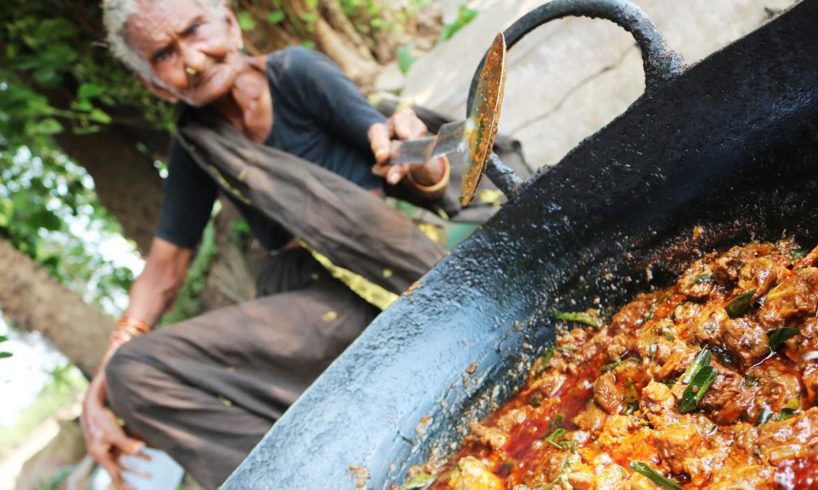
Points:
(569, 78)
(390, 79)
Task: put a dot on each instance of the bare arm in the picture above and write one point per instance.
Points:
(151, 295)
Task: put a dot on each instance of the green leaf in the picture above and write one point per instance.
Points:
(580, 317)
(797, 253)
(464, 16)
(702, 359)
(45, 219)
(3, 338)
(780, 335)
(6, 212)
(656, 477)
(47, 126)
(89, 90)
(275, 17)
(99, 116)
(697, 388)
(5, 355)
(740, 304)
(794, 403)
(704, 278)
(309, 17)
(418, 482)
(47, 77)
(405, 58)
(246, 21)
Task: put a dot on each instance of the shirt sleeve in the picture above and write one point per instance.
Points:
(331, 98)
(188, 200)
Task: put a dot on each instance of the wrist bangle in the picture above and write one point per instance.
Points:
(127, 328)
(429, 189)
(138, 325)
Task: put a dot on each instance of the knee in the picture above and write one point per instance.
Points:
(125, 375)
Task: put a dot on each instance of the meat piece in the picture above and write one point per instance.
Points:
(707, 326)
(549, 384)
(810, 379)
(574, 340)
(710, 455)
(777, 385)
(659, 405)
(612, 477)
(676, 443)
(756, 477)
(556, 464)
(681, 355)
(473, 474)
(632, 315)
(725, 397)
(511, 418)
(760, 275)
(794, 298)
(736, 406)
(616, 430)
(796, 437)
(745, 340)
(698, 281)
(685, 312)
(746, 437)
(591, 419)
(618, 345)
(492, 437)
(608, 394)
(803, 348)
(727, 266)
(641, 482)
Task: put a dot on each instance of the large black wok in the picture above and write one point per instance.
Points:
(731, 145)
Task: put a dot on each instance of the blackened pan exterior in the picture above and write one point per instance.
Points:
(730, 145)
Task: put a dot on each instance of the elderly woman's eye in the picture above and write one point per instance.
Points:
(161, 55)
(192, 28)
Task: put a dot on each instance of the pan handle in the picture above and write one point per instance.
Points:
(660, 63)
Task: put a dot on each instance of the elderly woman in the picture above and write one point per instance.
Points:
(207, 390)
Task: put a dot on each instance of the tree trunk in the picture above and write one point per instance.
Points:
(35, 301)
(125, 179)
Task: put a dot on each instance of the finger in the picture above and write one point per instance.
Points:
(124, 443)
(396, 173)
(142, 473)
(110, 466)
(406, 125)
(380, 143)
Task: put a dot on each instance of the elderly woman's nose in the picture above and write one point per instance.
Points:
(194, 58)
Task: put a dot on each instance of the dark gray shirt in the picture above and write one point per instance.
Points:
(318, 115)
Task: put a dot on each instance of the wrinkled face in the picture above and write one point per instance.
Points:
(193, 53)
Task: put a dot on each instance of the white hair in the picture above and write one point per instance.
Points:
(115, 15)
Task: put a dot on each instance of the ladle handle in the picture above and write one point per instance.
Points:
(660, 63)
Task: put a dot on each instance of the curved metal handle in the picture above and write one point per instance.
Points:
(660, 63)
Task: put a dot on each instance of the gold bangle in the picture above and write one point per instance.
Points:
(139, 325)
(441, 184)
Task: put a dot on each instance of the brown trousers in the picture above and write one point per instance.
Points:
(207, 389)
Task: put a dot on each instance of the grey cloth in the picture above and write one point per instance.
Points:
(352, 227)
(206, 390)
